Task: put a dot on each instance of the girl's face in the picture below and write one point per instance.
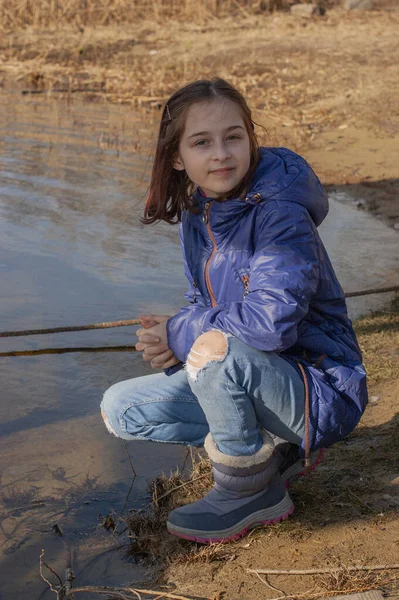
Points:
(214, 148)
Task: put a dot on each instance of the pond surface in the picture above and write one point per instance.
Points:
(73, 252)
(72, 179)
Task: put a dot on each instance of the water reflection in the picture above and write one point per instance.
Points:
(73, 251)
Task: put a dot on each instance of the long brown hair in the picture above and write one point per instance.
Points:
(169, 192)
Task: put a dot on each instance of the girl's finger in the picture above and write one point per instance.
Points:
(140, 347)
(148, 321)
(170, 363)
(154, 318)
(151, 357)
(158, 361)
(147, 338)
(155, 350)
(148, 324)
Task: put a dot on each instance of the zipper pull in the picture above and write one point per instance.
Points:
(195, 293)
(245, 280)
(205, 216)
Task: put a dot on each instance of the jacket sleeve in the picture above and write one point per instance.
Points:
(284, 273)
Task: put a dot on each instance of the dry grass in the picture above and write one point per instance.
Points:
(147, 527)
(378, 336)
(297, 79)
(19, 14)
(342, 580)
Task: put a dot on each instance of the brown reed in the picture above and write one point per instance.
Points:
(20, 14)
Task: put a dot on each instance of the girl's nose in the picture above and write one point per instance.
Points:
(221, 151)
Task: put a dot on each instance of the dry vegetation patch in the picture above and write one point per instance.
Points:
(44, 13)
(301, 77)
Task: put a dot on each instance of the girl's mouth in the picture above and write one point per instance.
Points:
(223, 171)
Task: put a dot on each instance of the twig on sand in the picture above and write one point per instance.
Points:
(324, 594)
(122, 590)
(269, 585)
(43, 564)
(325, 570)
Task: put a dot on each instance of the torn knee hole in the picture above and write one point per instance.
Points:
(209, 347)
(107, 424)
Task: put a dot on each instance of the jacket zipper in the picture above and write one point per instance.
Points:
(245, 280)
(208, 284)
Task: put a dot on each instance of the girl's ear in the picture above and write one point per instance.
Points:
(178, 163)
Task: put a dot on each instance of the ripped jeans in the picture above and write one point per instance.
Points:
(235, 394)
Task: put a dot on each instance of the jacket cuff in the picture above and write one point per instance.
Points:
(172, 370)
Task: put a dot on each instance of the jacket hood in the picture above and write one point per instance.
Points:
(283, 175)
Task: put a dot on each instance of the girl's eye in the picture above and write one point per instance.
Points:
(233, 137)
(201, 142)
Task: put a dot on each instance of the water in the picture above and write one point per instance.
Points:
(73, 251)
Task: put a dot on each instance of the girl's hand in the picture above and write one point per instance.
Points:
(153, 342)
(164, 360)
(148, 321)
(153, 332)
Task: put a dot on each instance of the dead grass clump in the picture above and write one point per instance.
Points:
(44, 13)
(147, 527)
(378, 336)
(341, 579)
(20, 14)
(169, 492)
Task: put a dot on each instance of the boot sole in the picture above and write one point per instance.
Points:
(268, 516)
(298, 470)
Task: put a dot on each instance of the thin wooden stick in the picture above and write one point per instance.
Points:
(111, 590)
(41, 564)
(325, 570)
(392, 288)
(109, 324)
(68, 350)
(129, 459)
(269, 585)
(107, 591)
(323, 594)
(105, 325)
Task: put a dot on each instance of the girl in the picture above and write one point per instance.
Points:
(263, 365)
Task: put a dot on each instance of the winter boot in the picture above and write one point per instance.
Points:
(248, 491)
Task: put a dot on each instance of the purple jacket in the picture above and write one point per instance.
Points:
(258, 269)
